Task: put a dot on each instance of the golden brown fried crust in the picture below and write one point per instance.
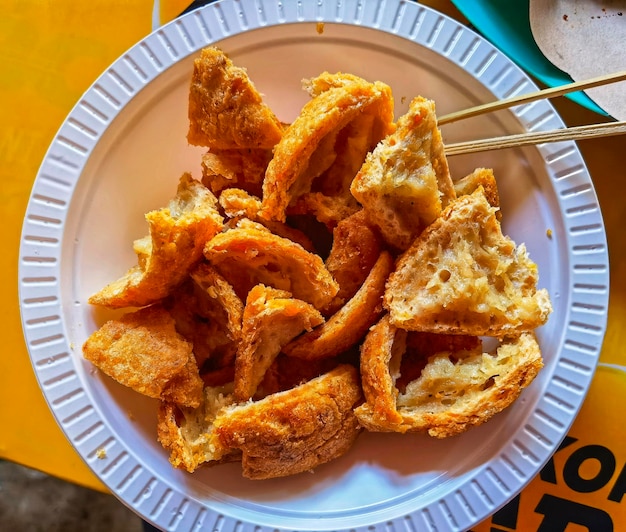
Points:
(271, 319)
(187, 433)
(327, 80)
(221, 303)
(177, 236)
(381, 354)
(481, 177)
(307, 148)
(238, 204)
(143, 350)
(329, 210)
(186, 386)
(225, 109)
(348, 325)
(356, 248)
(243, 169)
(463, 276)
(247, 256)
(208, 314)
(405, 182)
(288, 372)
(455, 390)
(421, 345)
(295, 430)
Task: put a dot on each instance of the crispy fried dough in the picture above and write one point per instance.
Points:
(295, 430)
(219, 377)
(421, 345)
(307, 148)
(459, 390)
(348, 325)
(243, 169)
(329, 210)
(271, 318)
(326, 80)
(208, 314)
(480, 177)
(185, 388)
(463, 276)
(456, 389)
(331, 200)
(143, 249)
(143, 351)
(187, 432)
(381, 355)
(222, 306)
(405, 182)
(288, 372)
(178, 234)
(247, 255)
(283, 434)
(225, 109)
(238, 204)
(356, 248)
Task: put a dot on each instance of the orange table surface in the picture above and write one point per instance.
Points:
(50, 53)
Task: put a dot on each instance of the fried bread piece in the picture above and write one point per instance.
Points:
(390, 359)
(177, 236)
(271, 319)
(329, 210)
(243, 169)
(208, 314)
(221, 306)
(187, 433)
(381, 355)
(248, 255)
(143, 249)
(463, 276)
(327, 80)
(356, 248)
(350, 323)
(296, 430)
(462, 389)
(330, 200)
(420, 346)
(288, 372)
(405, 182)
(456, 389)
(143, 350)
(308, 146)
(480, 177)
(238, 204)
(185, 388)
(225, 109)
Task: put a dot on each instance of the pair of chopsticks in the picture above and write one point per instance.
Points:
(538, 137)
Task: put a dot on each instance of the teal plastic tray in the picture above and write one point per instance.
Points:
(506, 24)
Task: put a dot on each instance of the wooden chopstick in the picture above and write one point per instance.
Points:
(532, 96)
(537, 137)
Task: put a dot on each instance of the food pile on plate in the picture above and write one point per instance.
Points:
(323, 278)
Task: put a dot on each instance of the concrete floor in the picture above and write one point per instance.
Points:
(31, 501)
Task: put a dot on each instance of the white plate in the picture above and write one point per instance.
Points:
(120, 153)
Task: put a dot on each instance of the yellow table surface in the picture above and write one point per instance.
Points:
(50, 54)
